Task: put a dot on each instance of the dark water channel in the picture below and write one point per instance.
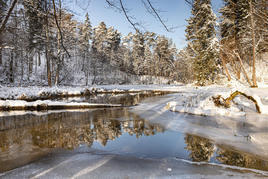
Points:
(27, 138)
(126, 99)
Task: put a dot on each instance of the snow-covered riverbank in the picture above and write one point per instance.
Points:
(246, 133)
(42, 93)
(9, 105)
(200, 101)
(189, 99)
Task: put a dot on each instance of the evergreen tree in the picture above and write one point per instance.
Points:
(98, 39)
(164, 56)
(138, 51)
(34, 13)
(149, 63)
(201, 36)
(85, 35)
(127, 53)
(113, 39)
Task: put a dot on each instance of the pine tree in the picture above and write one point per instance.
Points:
(85, 35)
(150, 43)
(201, 36)
(113, 39)
(163, 53)
(127, 53)
(98, 39)
(34, 14)
(138, 52)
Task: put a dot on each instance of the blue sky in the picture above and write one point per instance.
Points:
(174, 11)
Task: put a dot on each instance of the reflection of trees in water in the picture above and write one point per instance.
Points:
(231, 157)
(201, 149)
(69, 130)
(124, 98)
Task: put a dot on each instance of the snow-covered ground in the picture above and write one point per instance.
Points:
(96, 164)
(189, 99)
(246, 133)
(199, 101)
(45, 92)
(190, 110)
(49, 105)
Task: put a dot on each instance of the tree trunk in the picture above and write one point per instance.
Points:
(242, 67)
(21, 65)
(253, 46)
(1, 62)
(11, 73)
(224, 66)
(30, 64)
(57, 76)
(58, 62)
(39, 58)
(48, 67)
(36, 63)
(48, 56)
(87, 73)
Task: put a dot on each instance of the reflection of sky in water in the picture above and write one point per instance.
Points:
(160, 145)
(27, 137)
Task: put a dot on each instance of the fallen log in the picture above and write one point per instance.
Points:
(226, 102)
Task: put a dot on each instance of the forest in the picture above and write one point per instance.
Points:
(43, 44)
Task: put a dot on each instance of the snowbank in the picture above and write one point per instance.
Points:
(43, 93)
(6, 105)
(200, 102)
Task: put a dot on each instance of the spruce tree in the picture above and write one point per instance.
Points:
(34, 13)
(98, 39)
(163, 54)
(201, 36)
(85, 35)
(149, 63)
(113, 39)
(138, 52)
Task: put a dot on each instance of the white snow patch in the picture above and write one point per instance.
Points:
(199, 101)
(21, 103)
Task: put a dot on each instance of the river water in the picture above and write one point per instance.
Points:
(34, 140)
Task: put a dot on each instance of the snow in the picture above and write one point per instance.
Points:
(224, 127)
(38, 92)
(189, 99)
(243, 133)
(20, 104)
(199, 102)
(97, 164)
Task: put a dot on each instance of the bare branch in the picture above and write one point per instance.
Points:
(57, 23)
(154, 12)
(113, 5)
(126, 15)
(190, 2)
(3, 24)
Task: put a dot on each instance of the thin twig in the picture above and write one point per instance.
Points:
(157, 15)
(128, 19)
(57, 23)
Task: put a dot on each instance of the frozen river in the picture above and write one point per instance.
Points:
(129, 142)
